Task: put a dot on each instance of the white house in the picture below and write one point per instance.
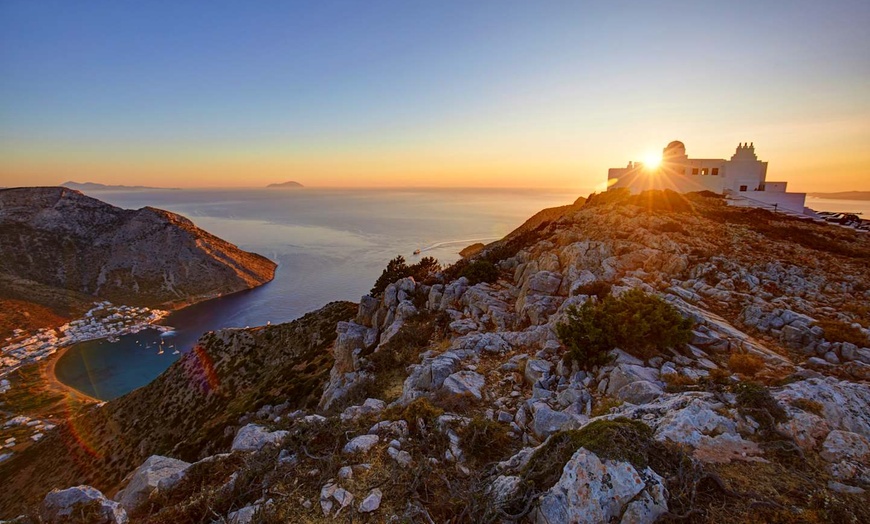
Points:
(743, 178)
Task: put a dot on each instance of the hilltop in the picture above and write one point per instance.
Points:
(657, 357)
(93, 186)
(63, 250)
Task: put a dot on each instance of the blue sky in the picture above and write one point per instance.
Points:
(466, 93)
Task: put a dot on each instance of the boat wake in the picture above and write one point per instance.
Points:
(452, 242)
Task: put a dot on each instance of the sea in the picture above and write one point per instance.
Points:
(330, 244)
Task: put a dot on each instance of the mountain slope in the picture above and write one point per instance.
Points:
(185, 411)
(63, 239)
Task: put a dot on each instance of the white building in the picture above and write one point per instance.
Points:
(743, 178)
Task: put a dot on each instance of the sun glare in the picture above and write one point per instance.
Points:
(652, 160)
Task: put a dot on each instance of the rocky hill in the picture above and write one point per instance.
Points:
(645, 358)
(59, 246)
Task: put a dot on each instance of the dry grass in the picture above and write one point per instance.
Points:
(745, 364)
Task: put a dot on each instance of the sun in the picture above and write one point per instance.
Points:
(652, 160)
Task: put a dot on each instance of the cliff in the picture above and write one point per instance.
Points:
(657, 357)
(60, 239)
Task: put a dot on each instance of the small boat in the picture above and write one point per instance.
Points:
(160, 352)
(176, 352)
(416, 251)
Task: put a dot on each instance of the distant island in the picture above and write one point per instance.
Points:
(843, 195)
(291, 183)
(93, 186)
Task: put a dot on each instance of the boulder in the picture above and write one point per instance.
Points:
(371, 406)
(592, 490)
(372, 501)
(536, 370)
(361, 444)
(640, 392)
(548, 421)
(156, 473)
(59, 506)
(254, 437)
(849, 455)
(464, 383)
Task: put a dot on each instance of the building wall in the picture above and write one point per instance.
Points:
(742, 175)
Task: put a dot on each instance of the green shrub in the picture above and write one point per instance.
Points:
(597, 288)
(755, 400)
(397, 268)
(484, 441)
(640, 324)
(480, 271)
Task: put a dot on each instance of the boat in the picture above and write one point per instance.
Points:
(160, 352)
(416, 251)
(176, 352)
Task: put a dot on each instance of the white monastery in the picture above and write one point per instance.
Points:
(743, 178)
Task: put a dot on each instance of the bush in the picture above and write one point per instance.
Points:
(397, 268)
(755, 400)
(597, 288)
(839, 331)
(480, 271)
(484, 441)
(745, 363)
(640, 324)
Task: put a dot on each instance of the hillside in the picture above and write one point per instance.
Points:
(289, 184)
(657, 357)
(185, 411)
(843, 195)
(62, 248)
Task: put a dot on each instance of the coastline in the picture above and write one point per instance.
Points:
(49, 377)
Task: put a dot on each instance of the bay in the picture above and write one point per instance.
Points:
(330, 244)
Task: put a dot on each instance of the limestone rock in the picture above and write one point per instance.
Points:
(372, 501)
(361, 444)
(155, 473)
(60, 505)
(254, 437)
(464, 383)
(592, 491)
(537, 369)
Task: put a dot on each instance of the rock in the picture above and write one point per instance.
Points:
(361, 444)
(59, 506)
(593, 491)
(156, 473)
(371, 406)
(372, 501)
(547, 421)
(625, 374)
(843, 488)
(849, 455)
(464, 383)
(844, 404)
(254, 437)
(244, 515)
(536, 369)
(503, 488)
(640, 392)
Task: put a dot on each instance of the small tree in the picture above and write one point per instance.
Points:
(397, 269)
(640, 324)
(480, 271)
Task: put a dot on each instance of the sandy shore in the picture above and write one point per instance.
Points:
(49, 377)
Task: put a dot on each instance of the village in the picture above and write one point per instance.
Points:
(22, 349)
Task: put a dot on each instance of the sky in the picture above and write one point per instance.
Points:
(427, 94)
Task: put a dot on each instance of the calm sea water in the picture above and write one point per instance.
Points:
(329, 244)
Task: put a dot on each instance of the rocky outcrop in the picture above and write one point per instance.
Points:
(144, 257)
(592, 490)
(254, 437)
(84, 503)
(156, 473)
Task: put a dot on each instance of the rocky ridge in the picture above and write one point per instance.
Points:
(61, 239)
(449, 399)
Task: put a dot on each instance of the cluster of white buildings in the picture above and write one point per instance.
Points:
(743, 178)
(103, 321)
